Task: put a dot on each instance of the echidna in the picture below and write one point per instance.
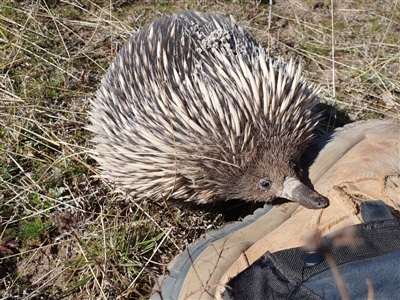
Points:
(193, 108)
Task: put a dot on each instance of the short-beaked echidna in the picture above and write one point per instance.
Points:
(193, 108)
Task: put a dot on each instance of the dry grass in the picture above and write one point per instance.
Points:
(65, 234)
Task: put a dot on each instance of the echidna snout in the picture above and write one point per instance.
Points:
(296, 191)
(194, 109)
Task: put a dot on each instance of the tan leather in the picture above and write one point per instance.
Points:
(363, 163)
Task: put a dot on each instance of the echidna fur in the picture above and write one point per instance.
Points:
(193, 108)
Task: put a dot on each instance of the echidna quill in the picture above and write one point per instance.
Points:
(194, 109)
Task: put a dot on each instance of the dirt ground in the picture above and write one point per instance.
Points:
(67, 234)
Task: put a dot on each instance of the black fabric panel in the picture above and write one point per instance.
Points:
(377, 238)
(279, 275)
(264, 280)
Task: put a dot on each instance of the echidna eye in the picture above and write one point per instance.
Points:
(264, 183)
(292, 164)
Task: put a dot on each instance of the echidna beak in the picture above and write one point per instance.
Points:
(294, 190)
